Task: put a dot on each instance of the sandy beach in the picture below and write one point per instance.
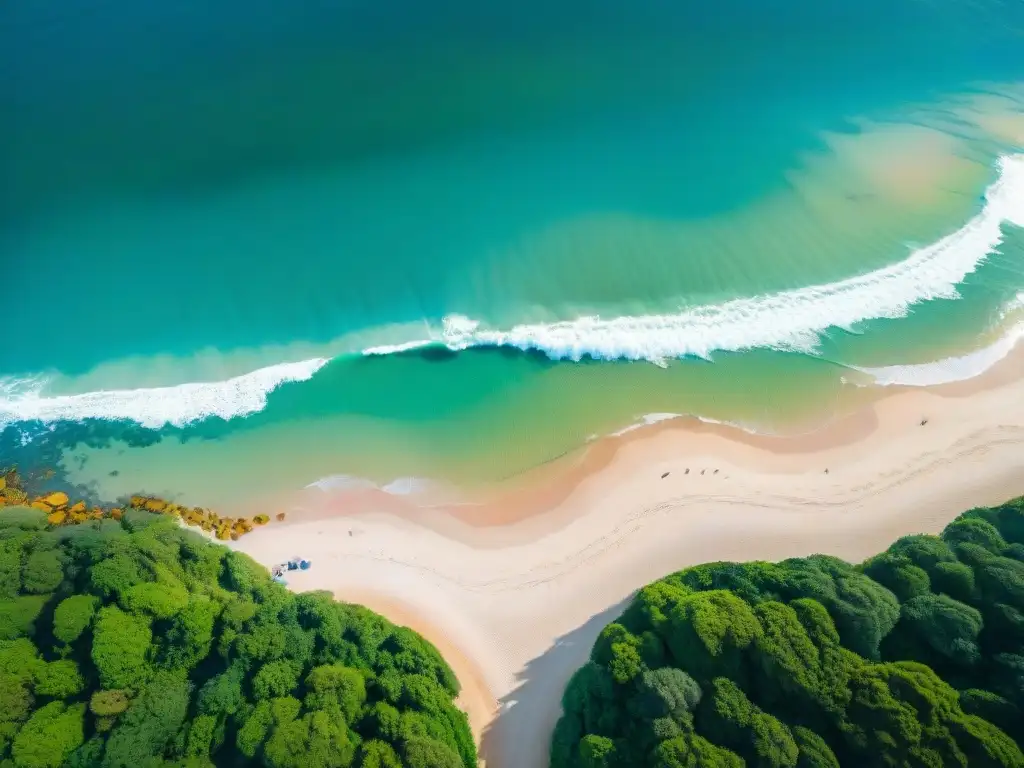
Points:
(513, 590)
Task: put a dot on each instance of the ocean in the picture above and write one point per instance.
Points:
(253, 247)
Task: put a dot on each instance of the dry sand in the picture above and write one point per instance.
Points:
(514, 590)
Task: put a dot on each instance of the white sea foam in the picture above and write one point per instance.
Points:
(789, 320)
(391, 349)
(342, 483)
(949, 370)
(400, 486)
(786, 320)
(22, 399)
(644, 421)
(958, 368)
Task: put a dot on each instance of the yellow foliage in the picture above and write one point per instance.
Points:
(261, 519)
(55, 518)
(156, 505)
(40, 505)
(58, 499)
(15, 496)
(116, 513)
(78, 506)
(137, 502)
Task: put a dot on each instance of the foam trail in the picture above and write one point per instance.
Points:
(342, 483)
(789, 320)
(20, 400)
(400, 486)
(951, 369)
(650, 418)
(391, 349)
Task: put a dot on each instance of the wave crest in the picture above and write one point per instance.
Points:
(21, 399)
(789, 320)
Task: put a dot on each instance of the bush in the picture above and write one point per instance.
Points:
(164, 650)
(814, 663)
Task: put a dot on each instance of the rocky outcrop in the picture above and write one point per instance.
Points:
(56, 500)
(58, 512)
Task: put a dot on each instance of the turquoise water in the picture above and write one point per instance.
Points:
(211, 215)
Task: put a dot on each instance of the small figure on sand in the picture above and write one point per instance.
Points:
(924, 421)
(664, 475)
(687, 471)
(826, 470)
(703, 471)
(715, 472)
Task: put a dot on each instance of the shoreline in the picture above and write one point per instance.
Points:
(517, 587)
(543, 488)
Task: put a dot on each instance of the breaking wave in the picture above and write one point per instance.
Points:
(789, 320)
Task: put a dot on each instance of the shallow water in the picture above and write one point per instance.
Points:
(545, 223)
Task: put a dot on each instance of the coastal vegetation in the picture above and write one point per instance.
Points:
(912, 658)
(128, 641)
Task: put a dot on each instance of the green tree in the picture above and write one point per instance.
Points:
(779, 664)
(973, 530)
(316, 740)
(222, 694)
(171, 642)
(378, 754)
(200, 736)
(254, 730)
(49, 736)
(597, 752)
(814, 751)
(120, 648)
(18, 615)
(114, 575)
(333, 687)
(190, 637)
(426, 753)
(43, 572)
(898, 574)
(275, 678)
(59, 679)
(162, 601)
(665, 692)
(72, 616)
(955, 580)
(945, 625)
(711, 630)
(151, 723)
(693, 751)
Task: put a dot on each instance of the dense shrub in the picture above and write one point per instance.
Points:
(138, 644)
(915, 658)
